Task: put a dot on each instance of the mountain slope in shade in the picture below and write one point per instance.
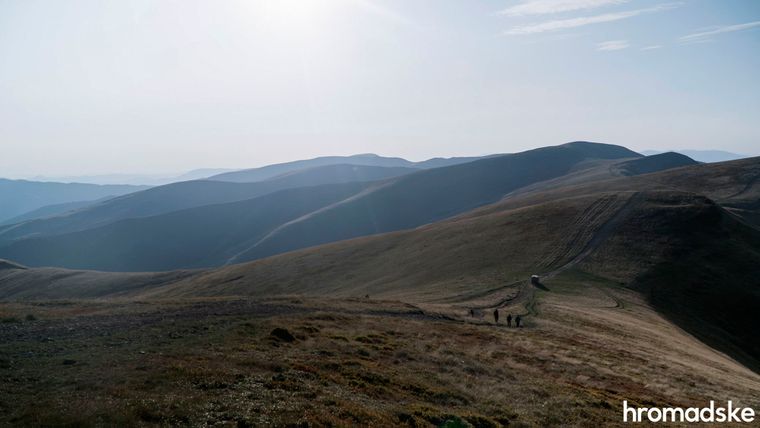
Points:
(655, 163)
(703, 155)
(432, 195)
(51, 211)
(192, 237)
(137, 179)
(189, 194)
(333, 174)
(691, 258)
(21, 196)
(270, 171)
(694, 261)
(196, 237)
(8, 265)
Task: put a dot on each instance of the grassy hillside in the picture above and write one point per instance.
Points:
(735, 185)
(639, 275)
(432, 195)
(202, 237)
(19, 283)
(351, 362)
(655, 163)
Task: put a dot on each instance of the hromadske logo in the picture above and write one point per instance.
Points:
(691, 414)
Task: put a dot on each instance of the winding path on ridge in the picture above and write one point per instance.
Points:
(590, 232)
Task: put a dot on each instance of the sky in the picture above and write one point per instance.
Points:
(157, 86)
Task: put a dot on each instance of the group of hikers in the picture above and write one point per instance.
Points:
(518, 318)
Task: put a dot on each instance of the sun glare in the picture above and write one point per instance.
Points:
(298, 17)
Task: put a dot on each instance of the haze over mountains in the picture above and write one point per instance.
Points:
(621, 242)
(136, 179)
(658, 224)
(702, 155)
(109, 236)
(21, 196)
(266, 172)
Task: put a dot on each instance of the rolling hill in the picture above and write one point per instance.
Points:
(198, 237)
(50, 211)
(693, 260)
(432, 195)
(188, 194)
(270, 171)
(660, 233)
(639, 274)
(703, 155)
(642, 239)
(21, 196)
(655, 163)
(96, 241)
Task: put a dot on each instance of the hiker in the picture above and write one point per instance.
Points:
(509, 320)
(496, 316)
(472, 313)
(517, 321)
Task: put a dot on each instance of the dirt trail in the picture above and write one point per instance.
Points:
(591, 230)
(584, 226)
(599, 235)
(746, 188)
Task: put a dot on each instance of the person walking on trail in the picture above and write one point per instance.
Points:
(496, 316)
(517, 321)
(509, 320)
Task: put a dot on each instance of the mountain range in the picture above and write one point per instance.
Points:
(459, 233)
(142, 231)
(21, 196)
(702, 155)
(636, 277)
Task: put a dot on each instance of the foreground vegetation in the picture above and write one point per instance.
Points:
(587, 346)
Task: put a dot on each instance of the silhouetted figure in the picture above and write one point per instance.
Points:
(517, 321)
(496, 316)
(472, 313)
(509, 320)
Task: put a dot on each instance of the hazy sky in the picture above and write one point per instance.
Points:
(97, 86)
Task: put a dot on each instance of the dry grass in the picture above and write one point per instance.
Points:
(353, 362)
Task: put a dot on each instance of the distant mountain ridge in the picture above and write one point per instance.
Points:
(136, 179)
(702, 155)
(367, 159)
(118, 234)
(50, 211)
(190, 194)
(21, 196)
(681, 236)
(655, 163)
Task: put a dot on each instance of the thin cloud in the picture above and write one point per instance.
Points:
(706, 35)
(612, 45)
(562, 24)
(649, 48)
(543, 7)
